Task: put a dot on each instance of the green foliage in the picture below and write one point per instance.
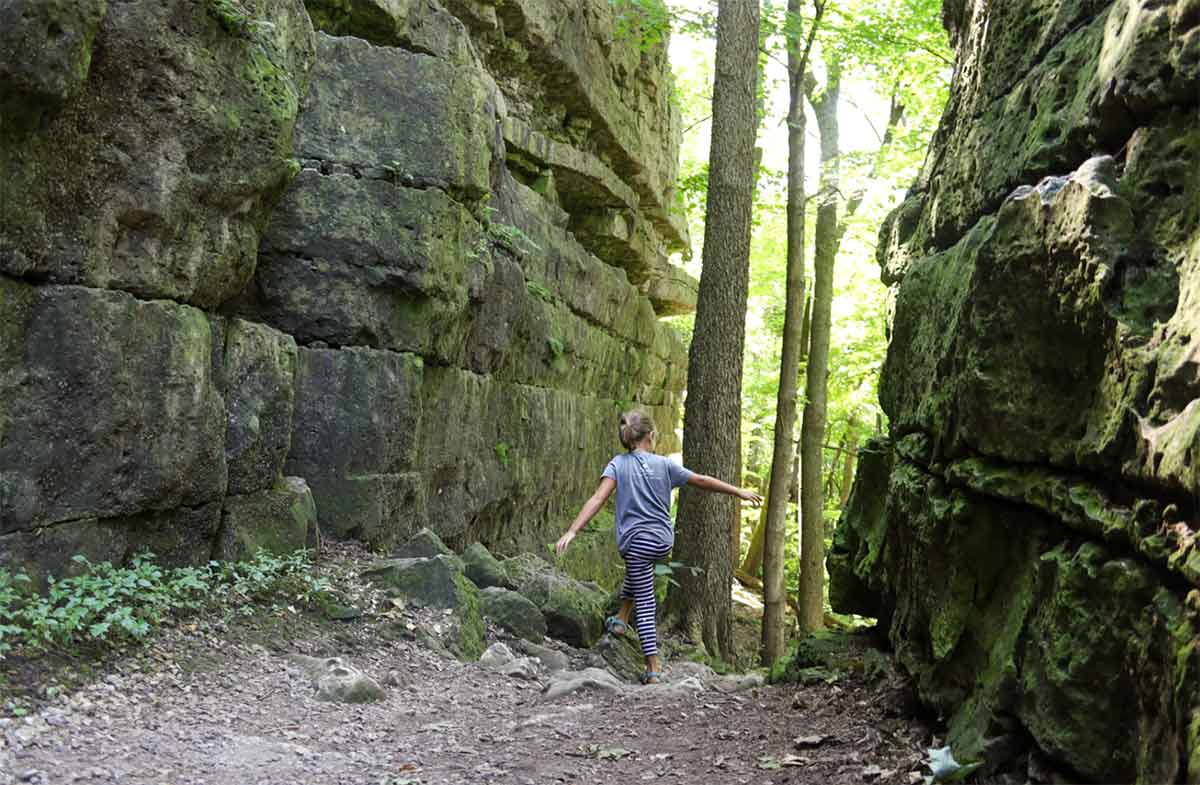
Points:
(512, 238)
(539, 291)
(233, 18)
(648, 23)
(645, 22)
(503, 452)
(664, 576)
(106, 604)
(556, 347)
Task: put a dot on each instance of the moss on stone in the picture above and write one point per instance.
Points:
(593, 554)
(468, 643)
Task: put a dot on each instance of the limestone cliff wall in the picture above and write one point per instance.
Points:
(374, 263)
(1027, 531)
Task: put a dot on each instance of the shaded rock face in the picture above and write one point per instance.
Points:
(1027, 531)
(400, 270)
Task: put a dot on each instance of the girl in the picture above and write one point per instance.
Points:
(644, 482)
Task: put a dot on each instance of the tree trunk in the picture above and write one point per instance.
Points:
(851, 456)
(774, 629)
(794, 489)
(752, 564)
(712, 411)
(812, 432)
(735, 521)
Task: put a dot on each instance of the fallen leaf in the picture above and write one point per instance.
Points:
(803, 742)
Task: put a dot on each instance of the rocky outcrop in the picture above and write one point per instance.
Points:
(398, 270)
(1027, 531)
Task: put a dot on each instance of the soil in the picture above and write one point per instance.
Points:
(215, 700)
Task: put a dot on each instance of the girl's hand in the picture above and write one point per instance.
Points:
(563, 542)
(750, 496)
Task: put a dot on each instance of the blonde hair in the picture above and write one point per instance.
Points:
(634, 427)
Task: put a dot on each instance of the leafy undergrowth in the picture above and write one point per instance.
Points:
(110, 605)
(53, 641)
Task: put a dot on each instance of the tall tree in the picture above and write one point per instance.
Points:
(774, 630)
(812, 432)
(712, 411)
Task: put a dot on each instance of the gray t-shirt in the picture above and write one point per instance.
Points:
(644, 485)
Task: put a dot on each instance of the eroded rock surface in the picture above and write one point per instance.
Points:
(408, 254)
(1027, 532)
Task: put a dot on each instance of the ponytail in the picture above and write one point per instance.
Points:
(634, 427)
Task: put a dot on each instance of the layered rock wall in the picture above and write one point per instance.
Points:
(1027, 531)
(400, 269)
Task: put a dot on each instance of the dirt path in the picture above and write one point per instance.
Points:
(221, 702)
(252, 718)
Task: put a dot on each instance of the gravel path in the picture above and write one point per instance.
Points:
(222, 701)
(251, 717)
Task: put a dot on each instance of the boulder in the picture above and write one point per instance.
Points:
(483, 568)
(621, 654)
(280, 521)
(679, 689)
(570, 682)
(574, 611)
(500, 658)
(423, 545)
(513, 612)
(336, 680)
(736, 683)
(524, 566)
(434, 582)
(437, 582)
(376, 509)
(551, 659)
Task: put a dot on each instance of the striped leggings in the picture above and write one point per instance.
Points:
(640, 555)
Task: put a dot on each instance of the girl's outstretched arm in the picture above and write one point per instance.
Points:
(590, 508)
(707, 483)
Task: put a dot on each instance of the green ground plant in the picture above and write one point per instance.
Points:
(107, 604)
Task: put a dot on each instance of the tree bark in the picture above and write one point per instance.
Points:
(812, 432)
(700, 607)
(794, 489)
(752, 564)
(774, 629)
(851, 456)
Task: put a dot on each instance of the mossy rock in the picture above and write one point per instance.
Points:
(437, 582)
(431, 582)
(623, 654)
(280, 520)
(466, 640)
(422, 545)
(484, 569)
(593, 555)
(825, 655)
(573, 610)
(514, 612)
(523, 567)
